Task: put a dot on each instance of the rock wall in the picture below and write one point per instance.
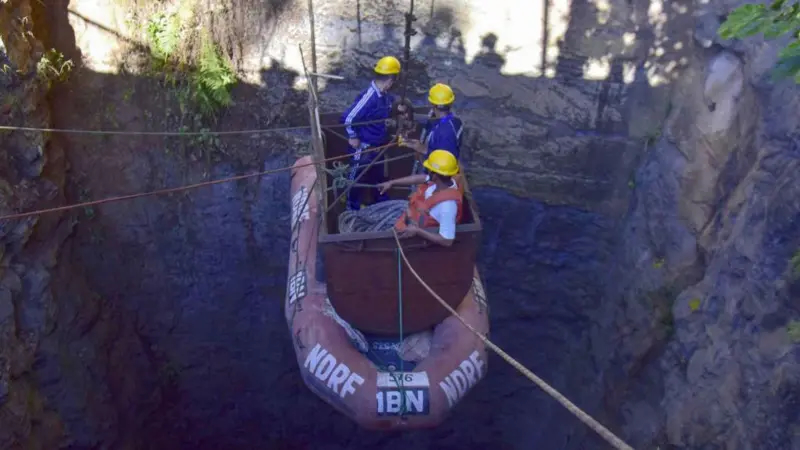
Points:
(64, 350)
(704, 305)
(636, 178)
(734, 362)
(29, 252)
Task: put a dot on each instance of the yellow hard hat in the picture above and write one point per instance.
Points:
(442, 162)
(388, 65)
(441, 94)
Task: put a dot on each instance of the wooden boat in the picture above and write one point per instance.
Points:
(342, 308)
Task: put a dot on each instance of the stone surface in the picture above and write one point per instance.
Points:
(56, 347)
(21, 321)
(639, 194)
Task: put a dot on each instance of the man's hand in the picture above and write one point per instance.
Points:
(415, 144)
(385, 186)
(354, 142)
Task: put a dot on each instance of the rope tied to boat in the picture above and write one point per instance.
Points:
(400, 312)
(610, 437)
(340, 172)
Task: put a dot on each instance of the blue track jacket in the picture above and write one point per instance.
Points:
(370, 105)
(444, 134)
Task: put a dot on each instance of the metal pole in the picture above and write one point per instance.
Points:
(316, 137)
(313, 42)
(409, 31)
(407, 50)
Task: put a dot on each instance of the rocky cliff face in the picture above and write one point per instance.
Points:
(65, 351)
(30, 246)
(637, 179)
(710, 239)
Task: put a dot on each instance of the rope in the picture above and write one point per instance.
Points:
(175, 133)
(181, 188)
(352, 184)
(571, 407)
(193, 133)
(380, 216)
(340, 170)
(400, 341)
(358, 177)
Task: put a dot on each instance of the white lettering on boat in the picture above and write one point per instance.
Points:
(336, 375)
(300, 209)
(297, 286)
(385, 346)
(463, 378)
(394, 387)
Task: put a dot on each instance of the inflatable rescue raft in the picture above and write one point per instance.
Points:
(346, 331)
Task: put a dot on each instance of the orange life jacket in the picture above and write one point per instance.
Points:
(419, 208)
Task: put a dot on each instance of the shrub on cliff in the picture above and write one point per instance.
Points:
(190, 59)
(772, 21)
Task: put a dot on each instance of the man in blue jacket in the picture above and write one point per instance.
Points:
(374, 104)
(443, 130)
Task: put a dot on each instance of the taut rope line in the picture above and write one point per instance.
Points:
(571, 407)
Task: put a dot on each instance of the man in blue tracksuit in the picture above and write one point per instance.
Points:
(443, 130)
(374, 104)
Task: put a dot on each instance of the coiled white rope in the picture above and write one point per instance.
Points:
(377, 217)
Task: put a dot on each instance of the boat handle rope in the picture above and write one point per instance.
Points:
(571, 407)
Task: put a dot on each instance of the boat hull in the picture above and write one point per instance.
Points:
(340, 373)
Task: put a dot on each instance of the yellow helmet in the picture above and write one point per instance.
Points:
(441, 94)
(442, 162)
(388, 65)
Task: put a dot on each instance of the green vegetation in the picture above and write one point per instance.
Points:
(793, 328)
(777, 19)
(202, 76)
(794, 265)
(53, 68)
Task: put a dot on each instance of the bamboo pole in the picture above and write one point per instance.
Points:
(313, 42)
(317, 150)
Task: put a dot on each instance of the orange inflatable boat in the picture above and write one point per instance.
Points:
(381, 350)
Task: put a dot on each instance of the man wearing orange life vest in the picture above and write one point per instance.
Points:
(438, 200)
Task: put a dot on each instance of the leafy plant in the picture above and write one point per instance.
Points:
(793, 328)
(206, 85)
(772, 21)
(53, 67)
(213, 79)
(164, 34)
